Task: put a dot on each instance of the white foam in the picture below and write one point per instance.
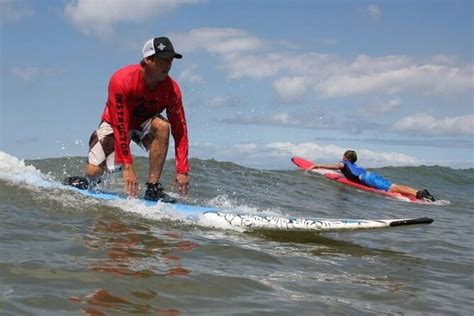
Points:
(16, 171)
(159, 211)
(226, 204)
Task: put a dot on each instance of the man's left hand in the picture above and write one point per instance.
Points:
(182, 183)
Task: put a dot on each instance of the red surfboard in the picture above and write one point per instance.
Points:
(339, 177)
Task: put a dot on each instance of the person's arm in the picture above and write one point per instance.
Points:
(119, 116)
(334, 166)
(179, 130)
(130, 180)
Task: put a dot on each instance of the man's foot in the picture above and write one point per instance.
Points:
(154, 192)
(81, 183)
(425, 195)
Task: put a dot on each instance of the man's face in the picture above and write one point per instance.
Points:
(161, 66)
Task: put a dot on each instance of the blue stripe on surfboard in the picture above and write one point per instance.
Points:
(182, 208)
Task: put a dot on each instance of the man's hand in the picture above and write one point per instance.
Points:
(130, 181)
(181, 181)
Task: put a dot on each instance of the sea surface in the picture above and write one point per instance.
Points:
(62, 253)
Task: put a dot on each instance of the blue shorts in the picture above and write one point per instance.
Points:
(375, 181)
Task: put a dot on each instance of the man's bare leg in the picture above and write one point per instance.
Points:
(158, 148)
(94, 172)
(403, 189)
(91, 179)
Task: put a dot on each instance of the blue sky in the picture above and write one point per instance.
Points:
(262, 80)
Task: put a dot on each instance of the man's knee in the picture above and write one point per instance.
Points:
(94, 171)
(160, 127)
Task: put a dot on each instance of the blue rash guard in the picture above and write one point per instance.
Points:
(358, 174)
(352, 171)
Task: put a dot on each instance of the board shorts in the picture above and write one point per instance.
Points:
(375, 181)
(102, 147)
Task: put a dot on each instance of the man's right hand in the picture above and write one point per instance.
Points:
(181, 182)
(130, 181)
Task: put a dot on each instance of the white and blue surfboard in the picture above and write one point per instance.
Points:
(223, 219)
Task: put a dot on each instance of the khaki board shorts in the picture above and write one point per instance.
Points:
(102, 147)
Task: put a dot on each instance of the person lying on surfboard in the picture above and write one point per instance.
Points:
(137, 96)
(358, 174)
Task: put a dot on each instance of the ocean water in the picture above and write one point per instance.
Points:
(65, 254)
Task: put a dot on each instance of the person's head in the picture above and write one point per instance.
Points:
(350, 155)
(158, 53)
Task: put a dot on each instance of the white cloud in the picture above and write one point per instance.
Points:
(444, 59)
(305, 119)
(256, 67)
(13, 11)
(246, 148)
(98, 18)
(374, 11)
(428, 78)
(333, 153)
(291, 89)
(281, 118)
(32, 73)
(428, 125)
(235, 47)
(381, 107)
(278, 154)
(188, 75)
(364, 64)
(309, 150)
(242, 54)
(226, 42)
(269, 64)
(221, 101)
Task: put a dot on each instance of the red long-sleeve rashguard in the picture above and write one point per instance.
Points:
(130, 103)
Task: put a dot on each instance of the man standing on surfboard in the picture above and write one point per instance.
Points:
(358, 174)
(137, 96)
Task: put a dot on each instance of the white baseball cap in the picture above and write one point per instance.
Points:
(161, 46)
